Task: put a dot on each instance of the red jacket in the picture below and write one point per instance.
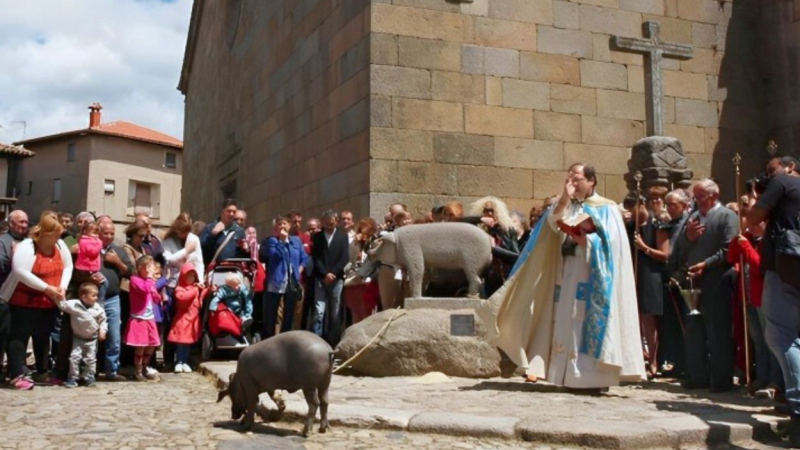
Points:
(188, 300)
(753, 259)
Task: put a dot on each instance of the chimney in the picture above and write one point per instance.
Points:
(94, 115)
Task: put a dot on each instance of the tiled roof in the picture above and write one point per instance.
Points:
(133, 131)
(15, 150)
(119, 128)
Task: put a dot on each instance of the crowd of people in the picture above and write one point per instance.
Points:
(89, 302)
(68, 287)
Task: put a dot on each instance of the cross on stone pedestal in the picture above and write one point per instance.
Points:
(654, 50)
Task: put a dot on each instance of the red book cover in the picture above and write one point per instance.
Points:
(577, 226)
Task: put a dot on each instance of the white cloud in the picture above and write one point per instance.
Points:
(59, 56)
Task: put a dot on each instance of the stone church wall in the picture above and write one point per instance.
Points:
(780, 63)
(357, 104)
(277, 107)
(501, 96)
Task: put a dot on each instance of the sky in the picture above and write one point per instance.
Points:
(59, 56)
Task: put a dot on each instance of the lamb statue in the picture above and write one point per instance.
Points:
(449, 245)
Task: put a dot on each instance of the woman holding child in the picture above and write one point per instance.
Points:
(181, 246)
(42, 269)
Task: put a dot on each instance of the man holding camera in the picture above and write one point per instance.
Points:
(780, 206)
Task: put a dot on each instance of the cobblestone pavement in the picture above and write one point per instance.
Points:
(181, 412)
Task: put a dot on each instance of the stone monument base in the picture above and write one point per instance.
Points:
(443, 303)
(420, 341)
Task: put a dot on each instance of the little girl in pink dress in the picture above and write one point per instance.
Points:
(141, 331)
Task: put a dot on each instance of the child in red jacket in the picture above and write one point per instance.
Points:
(768, 373)
(186, 324)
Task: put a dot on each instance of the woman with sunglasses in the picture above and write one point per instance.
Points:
(496, 220)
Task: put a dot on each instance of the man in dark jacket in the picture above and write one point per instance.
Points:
(779, 205)
(217, 233)
(116, 266)
(18, 229)
(330, 254)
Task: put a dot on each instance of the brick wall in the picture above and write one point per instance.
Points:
(501, 96)
(277, 107)
(780, 50)
(358, 104)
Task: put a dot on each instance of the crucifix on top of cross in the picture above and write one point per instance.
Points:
(654, 50)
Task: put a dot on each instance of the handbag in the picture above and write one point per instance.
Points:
(293, 286)
(223, 320)
(787, 256)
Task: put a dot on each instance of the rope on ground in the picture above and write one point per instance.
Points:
(397, 313)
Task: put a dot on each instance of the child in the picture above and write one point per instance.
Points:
(141, 331)
(88, 322)
(186, 324)
(259, 281)
(236, 297)
(90, 258)
(769, 379)
(251, 239)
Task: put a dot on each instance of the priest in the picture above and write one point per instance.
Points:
(568, 312)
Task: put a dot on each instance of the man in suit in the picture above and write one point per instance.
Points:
(216, 234)
(330, 254)
(701, 253)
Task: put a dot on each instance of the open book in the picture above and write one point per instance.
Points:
(577, 226)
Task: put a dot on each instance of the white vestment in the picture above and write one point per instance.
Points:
(572, 320)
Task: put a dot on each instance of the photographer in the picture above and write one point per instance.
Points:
(780, 206)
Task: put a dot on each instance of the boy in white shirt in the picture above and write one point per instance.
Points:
(88, 322)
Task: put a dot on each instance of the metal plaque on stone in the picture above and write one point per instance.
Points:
(462, 325)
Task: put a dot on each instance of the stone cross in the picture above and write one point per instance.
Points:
(654, 50)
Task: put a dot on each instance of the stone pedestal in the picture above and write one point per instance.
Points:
(662, 162)
(443, 303)
(451, 341)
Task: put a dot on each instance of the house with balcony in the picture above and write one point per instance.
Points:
(117, 168)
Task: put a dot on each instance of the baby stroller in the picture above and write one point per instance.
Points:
(214, 340)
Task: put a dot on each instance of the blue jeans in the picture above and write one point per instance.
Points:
(768, 371)
(182, 352)
(102, 288)
(781, 308)
(113, 338)
(326, 316)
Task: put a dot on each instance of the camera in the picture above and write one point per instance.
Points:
(757, 184)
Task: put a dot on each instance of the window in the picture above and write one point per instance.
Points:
(71, 152)
(171, 161)
(30, 187)
(109, 187)
(143, 198)
(57, 190)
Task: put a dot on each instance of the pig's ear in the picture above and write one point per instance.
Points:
(221, 394)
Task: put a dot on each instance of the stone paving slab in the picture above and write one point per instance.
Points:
(649, 415)
(460, 424)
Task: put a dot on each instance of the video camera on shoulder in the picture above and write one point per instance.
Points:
(757, 184)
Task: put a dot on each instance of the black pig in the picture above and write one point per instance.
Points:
(289, 361)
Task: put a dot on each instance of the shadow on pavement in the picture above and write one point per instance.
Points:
(515, 386)
(258, 428)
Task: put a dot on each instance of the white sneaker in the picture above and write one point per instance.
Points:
(179, 368)
(151, 371)
(187, 368)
